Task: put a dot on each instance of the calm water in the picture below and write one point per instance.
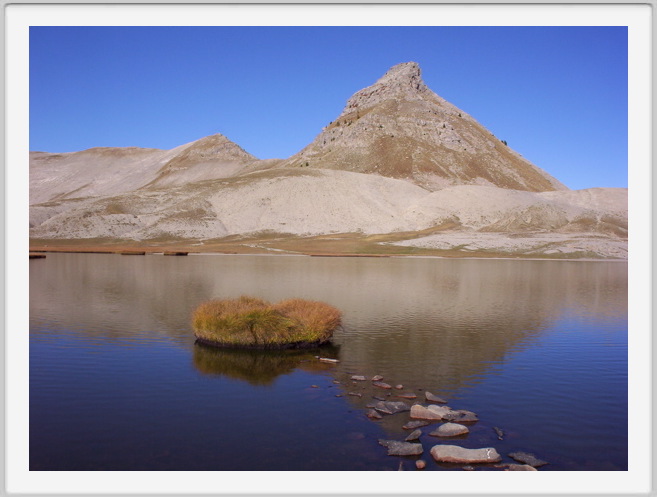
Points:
(537, 348)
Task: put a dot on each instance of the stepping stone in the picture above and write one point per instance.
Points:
(434, 398)
(527, 458)
(432, 412)
(450, 430)
(415, 435)
(372, 414)
(520, 467)
(456, 454)
(389, 407)
(396, 448)
(411, 425)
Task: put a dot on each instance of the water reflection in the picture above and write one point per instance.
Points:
(257, 367)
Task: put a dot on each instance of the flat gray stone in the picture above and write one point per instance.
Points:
(415, 435)
(456, 454)
(450, 430)
(460, 416)
(434, 398)
(527, 458)
(389, 407)
(411, 425)
(397, 448)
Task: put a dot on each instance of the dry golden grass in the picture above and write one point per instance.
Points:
(252, 322)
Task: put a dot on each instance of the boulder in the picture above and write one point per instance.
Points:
(397, 448)
(450, 430)
(527, 458)
(434, 398)
(456, 454)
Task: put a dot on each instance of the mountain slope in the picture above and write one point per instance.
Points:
(400, 128)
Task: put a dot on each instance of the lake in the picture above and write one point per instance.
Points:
(536, 348)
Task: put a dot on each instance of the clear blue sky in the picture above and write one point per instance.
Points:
(557, 95)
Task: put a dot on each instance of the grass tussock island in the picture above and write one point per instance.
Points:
(249, 322)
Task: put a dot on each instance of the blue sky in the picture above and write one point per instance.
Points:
(557, 95)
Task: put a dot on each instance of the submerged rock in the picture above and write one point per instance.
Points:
(414, 435)
(397, 448)
(450, 430)
(498, 432)
(409, 395)
(411, 425)
(527, 458)
(372, 414)
(355, 394)
(380, 384)
(389, 407)
(434, 398)
(520, 467)
(460, 415)
(456, 454)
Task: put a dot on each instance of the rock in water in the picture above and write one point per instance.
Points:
(377, 377)
(432, 412)
(415, 435)
(450, 430)
(420, 464)
(520, 467)
(456, 454)
(411, 425)
(397, 448)
(500, 433)
(460, 416)
(526, 458)
(380, 384)
(434, 398)
(372, 414)
(358, 378)
(389, 407)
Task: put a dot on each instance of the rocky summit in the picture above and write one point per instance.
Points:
(399, 171)
(401, 129)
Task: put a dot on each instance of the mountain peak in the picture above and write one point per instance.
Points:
(400, 82)
(407, 74)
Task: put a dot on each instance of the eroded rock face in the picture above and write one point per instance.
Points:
(456, 454)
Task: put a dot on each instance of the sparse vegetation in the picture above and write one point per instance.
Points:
(255, 323)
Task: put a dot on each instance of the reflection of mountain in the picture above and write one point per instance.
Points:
(426, 323)
(258, 367)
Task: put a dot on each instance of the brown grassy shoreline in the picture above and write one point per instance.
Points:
(342, 245)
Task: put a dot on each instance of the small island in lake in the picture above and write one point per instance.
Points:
(249, 322)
